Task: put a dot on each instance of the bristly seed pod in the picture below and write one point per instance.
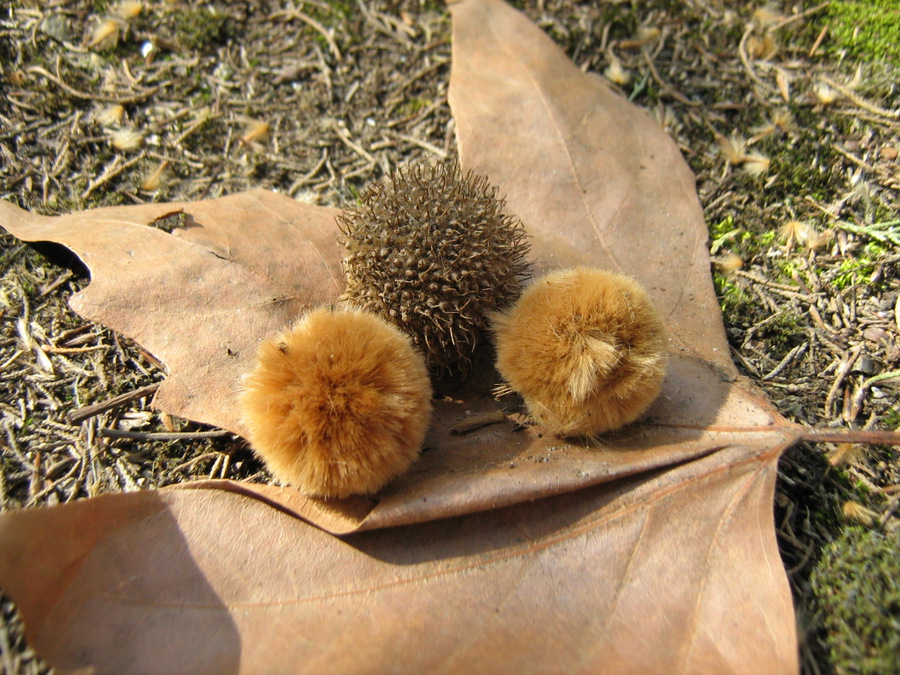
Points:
(339, 404)
(431, 250)
(585, 348)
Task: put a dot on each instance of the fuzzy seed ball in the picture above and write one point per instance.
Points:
(431, 251)
(339, 404)
(585, 348)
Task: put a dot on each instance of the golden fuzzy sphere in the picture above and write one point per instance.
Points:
(339, 404)
(585, 348)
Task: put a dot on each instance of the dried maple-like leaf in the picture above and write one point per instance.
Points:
(661, 572)
(201, 296)
(501, 550)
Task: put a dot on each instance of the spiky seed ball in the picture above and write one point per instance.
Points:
(585, 348)
(339, 404)
(432, 251)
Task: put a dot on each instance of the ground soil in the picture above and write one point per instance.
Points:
(793, 137)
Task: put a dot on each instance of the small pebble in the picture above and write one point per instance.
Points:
(875, 334)
(57, 26)
(864, 364)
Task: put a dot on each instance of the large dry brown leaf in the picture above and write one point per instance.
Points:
(201, 297)
(668, 572)
(500, 550)
(595, 179)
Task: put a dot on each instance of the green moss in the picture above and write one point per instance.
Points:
(783, 333)
(857, 588)
(412, 106)
(70, 201)
(806, 165)
(202, 28)
(768, 238)
(891, 419)
(862, 489)
(736, 304)
(874, 250)
(866, 29)
(853, 271)
(329, 16)
(722, 229)
(846, 276)
(334, 10)
(788, 269)
(727, 235)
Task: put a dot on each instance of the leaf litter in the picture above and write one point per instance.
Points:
(766, 295)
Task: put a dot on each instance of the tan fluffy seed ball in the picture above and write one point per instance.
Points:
(338, 405)
(584, 348)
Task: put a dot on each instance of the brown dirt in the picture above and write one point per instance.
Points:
(794, 146)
